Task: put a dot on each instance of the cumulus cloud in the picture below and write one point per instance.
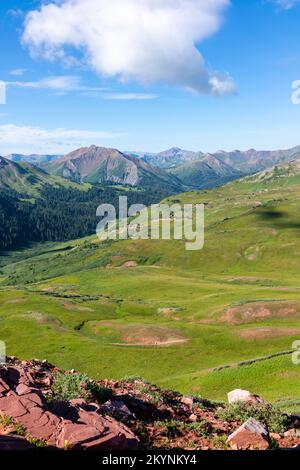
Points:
(144, 40)
(27, 139)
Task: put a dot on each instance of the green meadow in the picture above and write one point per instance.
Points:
(201, 322)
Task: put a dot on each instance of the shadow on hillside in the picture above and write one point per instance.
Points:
(279, 219)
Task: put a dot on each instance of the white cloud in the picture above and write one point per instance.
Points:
(285, 4)
(129, 96)
(69, 83)
(18, 72)
(144, 40)
(59, 83)
(26, 139)
(15, 12)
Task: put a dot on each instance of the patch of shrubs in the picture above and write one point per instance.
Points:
(265, 413)
(71, 386)
(133, 378)
(204, 403)
(99, 393)
(175, 428)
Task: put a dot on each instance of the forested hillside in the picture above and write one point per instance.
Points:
(59, 213)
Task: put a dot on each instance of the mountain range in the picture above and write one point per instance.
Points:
(248, 161)
(35, 159)
(175, 169)
(98, 165)
(169, 158)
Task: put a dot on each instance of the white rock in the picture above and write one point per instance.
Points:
(244, 396)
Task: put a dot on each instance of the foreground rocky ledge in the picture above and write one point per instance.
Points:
(124, 415)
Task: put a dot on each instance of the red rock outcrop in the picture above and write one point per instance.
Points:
(129, 414)
(78, 426)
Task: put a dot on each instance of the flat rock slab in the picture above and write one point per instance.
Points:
(74, 425)
(252, 435)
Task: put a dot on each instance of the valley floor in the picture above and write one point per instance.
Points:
(150, 309)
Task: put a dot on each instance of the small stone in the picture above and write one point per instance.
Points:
(77, 402)
(192, 418)
(252, 435)
(292, 433)
(117, 407)
(189, 401)
(23, 389)
(275, 435)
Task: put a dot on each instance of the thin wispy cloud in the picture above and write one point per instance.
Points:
(28, 139)
(129, 96)
(60, 83)
(15, 13)
(285, 4)
(65, 84)
(18, 72)
(141, 40)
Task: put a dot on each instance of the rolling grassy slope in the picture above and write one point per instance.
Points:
(27, 179)
(174, 316)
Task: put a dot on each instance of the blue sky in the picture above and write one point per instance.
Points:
(197, 77)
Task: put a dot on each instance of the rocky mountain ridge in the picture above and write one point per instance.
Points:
(35, 159)
(176, 168)
(99, 165)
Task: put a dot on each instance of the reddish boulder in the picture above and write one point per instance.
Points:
(252, 435)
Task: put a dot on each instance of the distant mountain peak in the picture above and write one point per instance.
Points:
(101, 165)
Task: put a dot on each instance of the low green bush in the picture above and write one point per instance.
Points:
(71, 386)
(273, 418)
(99, 393)
(174, 428)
